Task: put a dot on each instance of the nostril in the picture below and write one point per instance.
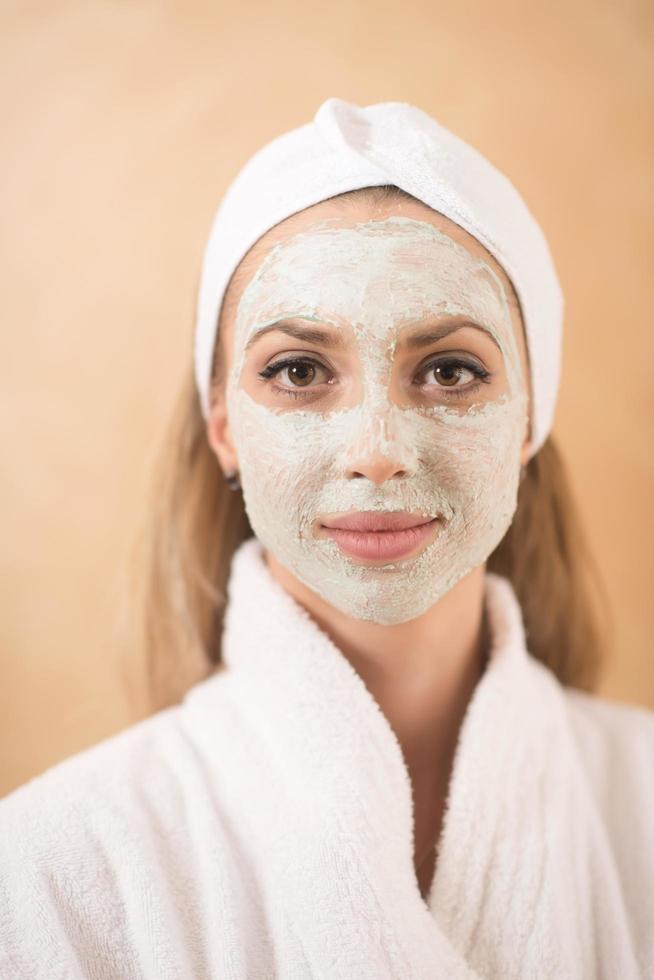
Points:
(378, 472)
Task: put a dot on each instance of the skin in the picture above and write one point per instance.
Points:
(423, 696)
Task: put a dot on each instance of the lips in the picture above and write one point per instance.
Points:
(372, 536)
(377, 521)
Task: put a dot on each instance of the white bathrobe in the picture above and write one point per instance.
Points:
(263, 827)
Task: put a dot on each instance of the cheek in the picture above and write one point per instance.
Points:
(472, 468)
(277, 446)
(475, 445)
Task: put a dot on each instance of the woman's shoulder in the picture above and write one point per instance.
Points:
(91, 810)
(106, 800)
(615, 742)
(101, 770)
(151, 753)
(614, 730)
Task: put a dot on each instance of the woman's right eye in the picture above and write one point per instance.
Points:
(301, 372)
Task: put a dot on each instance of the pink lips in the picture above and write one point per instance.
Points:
(375, 536)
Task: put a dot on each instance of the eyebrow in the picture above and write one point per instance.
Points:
(435, 333)
(335, 339)
(310, 335)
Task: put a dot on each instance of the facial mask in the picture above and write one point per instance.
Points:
(297, 463)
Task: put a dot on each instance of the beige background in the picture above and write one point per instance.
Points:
(123, 122)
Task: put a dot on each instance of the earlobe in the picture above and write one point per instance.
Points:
(219, 438)
(215, 425)
(525, 453)
(527, 445)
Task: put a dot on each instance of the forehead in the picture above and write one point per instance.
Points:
(379, 274)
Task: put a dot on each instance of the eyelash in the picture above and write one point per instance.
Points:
(483, 376)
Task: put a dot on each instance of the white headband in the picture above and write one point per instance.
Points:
(347, 147)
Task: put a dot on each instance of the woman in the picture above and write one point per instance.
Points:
(387, 761)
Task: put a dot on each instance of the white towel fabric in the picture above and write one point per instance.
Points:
(263, 828)
(346, 147)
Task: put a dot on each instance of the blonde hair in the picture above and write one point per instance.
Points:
(196, 523)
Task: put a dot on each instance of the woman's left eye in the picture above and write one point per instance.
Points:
(450, 370)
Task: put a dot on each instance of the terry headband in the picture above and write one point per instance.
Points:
(347, 147)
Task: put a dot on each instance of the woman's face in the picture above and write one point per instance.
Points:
(374, 362)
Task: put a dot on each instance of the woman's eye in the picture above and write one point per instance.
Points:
(455, 373)
(297, 373)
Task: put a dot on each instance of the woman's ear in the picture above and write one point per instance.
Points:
(527, 445)
(525, 452)
(220, 438)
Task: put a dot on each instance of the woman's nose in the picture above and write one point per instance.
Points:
(378, 451)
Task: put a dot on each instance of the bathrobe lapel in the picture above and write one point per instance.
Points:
(315, 774)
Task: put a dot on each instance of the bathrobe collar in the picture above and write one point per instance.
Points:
(335, 812)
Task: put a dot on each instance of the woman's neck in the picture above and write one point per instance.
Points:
(421, 673)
